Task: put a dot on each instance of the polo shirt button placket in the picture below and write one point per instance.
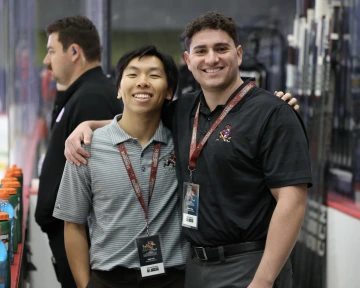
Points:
(143, 168)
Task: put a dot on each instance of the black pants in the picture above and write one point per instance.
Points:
(235, 271)
(129, 278)
(62, 268)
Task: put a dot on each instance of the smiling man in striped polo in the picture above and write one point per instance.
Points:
(128, 190)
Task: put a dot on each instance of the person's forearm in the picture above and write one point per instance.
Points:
(283, 231)
(77, 251)
(98, 124)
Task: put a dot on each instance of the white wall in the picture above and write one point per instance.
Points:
(343, 250)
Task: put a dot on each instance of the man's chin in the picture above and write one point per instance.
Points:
(213, 85)
(142, 111)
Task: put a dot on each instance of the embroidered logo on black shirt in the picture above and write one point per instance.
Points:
(225, 134)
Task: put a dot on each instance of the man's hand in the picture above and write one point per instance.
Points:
(288, 98)
(74, 152)
(260, 285)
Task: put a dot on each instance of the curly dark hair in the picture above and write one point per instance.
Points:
(213, 21)
(79, 30)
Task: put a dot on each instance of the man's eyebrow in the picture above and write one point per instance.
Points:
(50, 47)
(151, 69)
(131, 68)
(156, 69)
(199, 47)
(215, 45)
(221, 44)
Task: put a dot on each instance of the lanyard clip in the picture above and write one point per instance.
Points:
(191, 172)
(147, 227)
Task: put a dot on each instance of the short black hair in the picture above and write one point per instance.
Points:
(213, 21)
(171, 71)
(79, 30)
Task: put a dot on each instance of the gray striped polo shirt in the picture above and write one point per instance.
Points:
(101, 193)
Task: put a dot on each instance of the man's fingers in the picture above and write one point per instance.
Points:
(74, 153)
(286, 97)
(87, 135)
(79, 153)
(69, 154)
(87, 140)
(292, 102)
(279, 94)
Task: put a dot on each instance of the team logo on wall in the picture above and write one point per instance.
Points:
(170, 164)
(225, 134)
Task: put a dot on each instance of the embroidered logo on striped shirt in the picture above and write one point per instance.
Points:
(170, 164)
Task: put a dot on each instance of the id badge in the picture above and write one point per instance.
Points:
(190, 205)
(150, 256)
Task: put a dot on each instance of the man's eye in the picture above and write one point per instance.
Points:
(131, 75)
(199, 51)
(154, 76)
(222, 49)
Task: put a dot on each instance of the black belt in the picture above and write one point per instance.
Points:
(217, 253)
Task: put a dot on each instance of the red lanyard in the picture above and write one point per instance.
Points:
(135, 183)
(195, 151)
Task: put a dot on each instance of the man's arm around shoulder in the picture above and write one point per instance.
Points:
(77, 251)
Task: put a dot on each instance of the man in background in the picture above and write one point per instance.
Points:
(73, 58)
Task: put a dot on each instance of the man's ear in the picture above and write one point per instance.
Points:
(239, 53)
(187, 60)
(75, 52)
(120, 93)
(169, 94)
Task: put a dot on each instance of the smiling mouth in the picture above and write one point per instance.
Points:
(212, 70)
(142, 96)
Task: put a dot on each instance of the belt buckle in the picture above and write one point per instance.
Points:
(202, 249)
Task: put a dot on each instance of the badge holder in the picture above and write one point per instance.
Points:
(150, 256)
(191, 193)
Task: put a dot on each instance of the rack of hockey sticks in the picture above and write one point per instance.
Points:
(323, 73)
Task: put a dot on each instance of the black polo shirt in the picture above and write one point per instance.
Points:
(91, 97)
(261, 144)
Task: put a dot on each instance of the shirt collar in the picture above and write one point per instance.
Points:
(118, 135)
(204, 108)
(86, 76)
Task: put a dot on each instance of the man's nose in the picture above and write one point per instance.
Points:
(212, 57)
(46, 60)
(143, 82)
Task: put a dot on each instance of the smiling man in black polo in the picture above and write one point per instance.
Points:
(243, 167)
(246, 152)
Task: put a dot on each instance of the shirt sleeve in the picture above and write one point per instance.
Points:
(74, 199)
(284, 149)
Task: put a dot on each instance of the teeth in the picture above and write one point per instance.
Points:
(212, 70)
(142, 96)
